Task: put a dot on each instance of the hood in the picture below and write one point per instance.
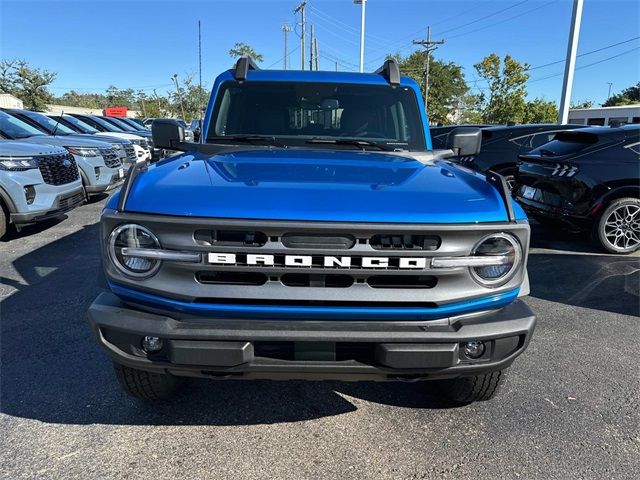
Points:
(126, 136)
(66, 141)
(23, 149)
(104, 138)
(315, 185)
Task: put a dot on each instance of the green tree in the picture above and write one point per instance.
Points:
(628, 96)
(540, 111)
(447, 86)
(506, 78)
(241, 49)
(194, 99)
(27, 83)
(581, 104)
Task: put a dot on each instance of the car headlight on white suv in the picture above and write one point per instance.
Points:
(18, 164)
(84, 151)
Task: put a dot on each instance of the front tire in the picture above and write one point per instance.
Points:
(477, 388)
(618, 228)
(4, 224)
(146, 385)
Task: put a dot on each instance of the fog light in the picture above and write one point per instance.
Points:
(96, 170)
(151, 344)
(30, 194)
(473, 350)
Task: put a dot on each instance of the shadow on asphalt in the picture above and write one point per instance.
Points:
(53, 371)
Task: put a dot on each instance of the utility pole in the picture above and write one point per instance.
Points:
(300, 8)
(429, 46)
(175, 79)
(362, 18)
(311, 49)
(570, 63)
(315, 49)
(609, 94)
(157, 100)
(286, 29)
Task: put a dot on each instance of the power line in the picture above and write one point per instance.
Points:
(429, 46)
(345, 27)
(587, 53)
(282, 58)
(483, 18)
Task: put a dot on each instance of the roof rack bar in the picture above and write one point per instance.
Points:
(243, 65)
(501, 185)
(390, 71)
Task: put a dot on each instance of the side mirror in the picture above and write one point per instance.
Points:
(167, 134)
(464, 141)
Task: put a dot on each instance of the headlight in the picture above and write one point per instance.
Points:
(497, 245)
(84, 151)
(117, 146)
(133, 236)
(19, 164)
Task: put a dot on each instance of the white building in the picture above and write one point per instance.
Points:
(9, 101)
(605, 116)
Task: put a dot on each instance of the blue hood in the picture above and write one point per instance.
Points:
(315, 185)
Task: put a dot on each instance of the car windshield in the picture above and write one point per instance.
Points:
(49, 124)
(13, 127)
(133, 124)
(80, 125)
(297, 113)
(123, 125)
(110, 127)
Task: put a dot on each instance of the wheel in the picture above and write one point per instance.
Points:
(3, 222)
(146, 385)
(478, 388)
(618, 228)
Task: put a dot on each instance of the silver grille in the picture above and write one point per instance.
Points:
(110, 157)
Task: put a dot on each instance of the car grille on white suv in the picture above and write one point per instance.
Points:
(58, 169)
(110, 157)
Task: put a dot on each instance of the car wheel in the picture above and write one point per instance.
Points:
(477, 388)
(146, 385)
(618, 229)
(3, 222)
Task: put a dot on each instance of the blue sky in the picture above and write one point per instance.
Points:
(138, 43)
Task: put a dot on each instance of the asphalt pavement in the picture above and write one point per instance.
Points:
(569, 408)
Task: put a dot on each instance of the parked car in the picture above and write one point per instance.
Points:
(100, 167)
(587, 179)
(51, 126)
(196, 127)
(132, 153)
(37, 182)
(319, 237)
(137, 121)
(110, 129)
(501, 146)
(135, 124)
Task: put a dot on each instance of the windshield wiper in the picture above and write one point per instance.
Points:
(351, 141)
(247, 138)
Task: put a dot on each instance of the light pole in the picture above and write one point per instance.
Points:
(362, 17)
(570, 64)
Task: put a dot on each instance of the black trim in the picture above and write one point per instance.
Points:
(243, 65)
(500, 183)
(134, 170)
(390, 71)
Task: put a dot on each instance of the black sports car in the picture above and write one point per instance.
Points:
(501, 146)
(586, 179)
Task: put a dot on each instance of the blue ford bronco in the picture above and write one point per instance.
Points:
(313, 233)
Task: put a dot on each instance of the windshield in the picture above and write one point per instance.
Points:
(109, 127)
(298, 112)
(80, 125)
(13, 127)
(133, 124)
(123, 125)
(49, 124)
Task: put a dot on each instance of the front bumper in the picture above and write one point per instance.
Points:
(311, 349)
(62, 204)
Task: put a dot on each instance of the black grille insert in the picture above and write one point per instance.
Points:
(245, 238)
(316, 280)
(231, 278)
(58, 169)
(405, 242)
(318, 241)
(402, 281)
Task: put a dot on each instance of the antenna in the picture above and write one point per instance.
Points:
(55, 129)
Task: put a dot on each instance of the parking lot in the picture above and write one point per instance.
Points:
(568, 410)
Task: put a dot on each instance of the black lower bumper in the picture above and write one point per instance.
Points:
(64, 204)
(310, 349)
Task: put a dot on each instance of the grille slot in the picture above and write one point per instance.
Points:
(230, 238)
(318, 241)
(58, 169)
(231, 278)
(318, 280)
(67, 203)
(402, 281)
(110, 157)
(405, 242)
